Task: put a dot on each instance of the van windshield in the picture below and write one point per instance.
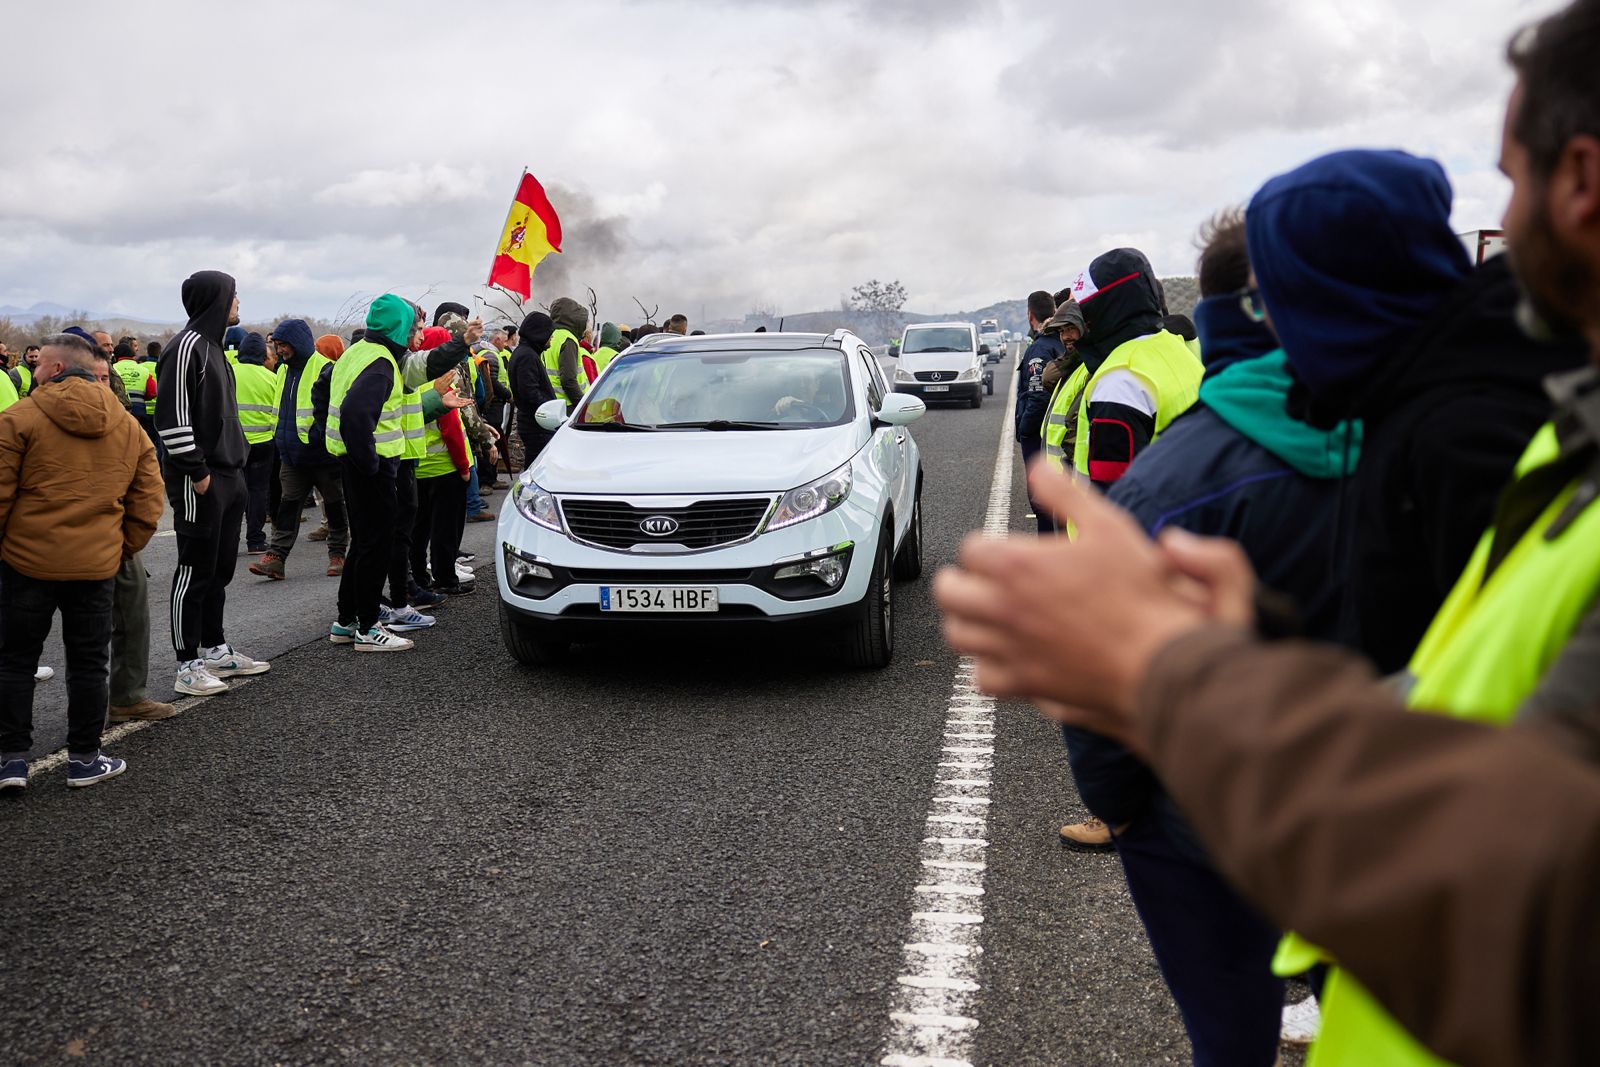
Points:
(946, 339)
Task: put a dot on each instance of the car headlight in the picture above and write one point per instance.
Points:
(903, 375)
(812, 499)
(536, 505)
(969, 375)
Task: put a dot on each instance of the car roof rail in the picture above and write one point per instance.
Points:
(837, 336)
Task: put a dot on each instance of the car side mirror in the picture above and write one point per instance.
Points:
(900, 409)
(983, 350)
(551, 414)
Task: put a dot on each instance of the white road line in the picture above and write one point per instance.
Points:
(933, 1011)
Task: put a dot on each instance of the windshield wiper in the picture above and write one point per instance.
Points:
(614, 427)
(920, 351)
(720, 424)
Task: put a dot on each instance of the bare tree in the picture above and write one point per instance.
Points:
(649, 315)
(879, 303)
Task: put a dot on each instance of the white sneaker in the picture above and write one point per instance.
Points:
(224, 662)
(196, 681)
(1301, 1021)
(44, 674)
(378, 639)
(465, 573)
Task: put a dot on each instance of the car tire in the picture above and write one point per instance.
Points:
(870, 644)
(988, 385)
(523, 640)
(977, 399)
(908, 561)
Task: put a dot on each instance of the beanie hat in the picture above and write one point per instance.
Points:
(331, 346)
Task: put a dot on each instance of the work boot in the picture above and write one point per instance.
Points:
(146, 710)
(335, 566)
(319, 534)
(270, 565)
(481, 516)
(1091, 835)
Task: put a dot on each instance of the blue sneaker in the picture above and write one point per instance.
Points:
(14, 774)
(405, 619)
(96, 770)
(340, 634)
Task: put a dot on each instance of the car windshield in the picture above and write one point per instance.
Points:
(942, 339)
(711, 391)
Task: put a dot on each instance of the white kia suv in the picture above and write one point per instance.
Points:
(730, 479)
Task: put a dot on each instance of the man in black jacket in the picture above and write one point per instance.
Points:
(530, 383)
(1033, 399)
(197, 419)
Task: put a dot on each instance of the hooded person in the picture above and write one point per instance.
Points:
(449, 307)
(1399, 331)
(366, 431)
(563, 355)
(304, 463)
(530, 382)
(610, 347)
(1237, 464)
(256, 390)
(483, 437)
(197, 420)
(442, 474)
(231, 340)
(1135, 377)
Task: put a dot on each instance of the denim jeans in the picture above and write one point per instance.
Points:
(475, 502)
(27, 610)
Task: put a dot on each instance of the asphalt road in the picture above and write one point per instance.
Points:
(664, 852)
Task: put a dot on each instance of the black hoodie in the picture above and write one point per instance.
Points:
(197, 412)
(530, 382)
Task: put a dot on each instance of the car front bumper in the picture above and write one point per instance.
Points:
(956, 391)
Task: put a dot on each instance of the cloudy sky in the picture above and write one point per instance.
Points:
(715, 156)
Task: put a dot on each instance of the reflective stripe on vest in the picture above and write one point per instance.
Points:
(1164, 363)
(256, 389)
(1484, 654)
(552, 362)
(388, 436)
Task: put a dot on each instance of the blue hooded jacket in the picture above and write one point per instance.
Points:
(297, 335)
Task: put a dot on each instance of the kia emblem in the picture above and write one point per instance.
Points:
(659, 525)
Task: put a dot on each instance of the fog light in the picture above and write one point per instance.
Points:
(520, 569)
(829, 569)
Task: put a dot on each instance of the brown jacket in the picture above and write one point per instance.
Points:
(80, 489)
(1452, 867)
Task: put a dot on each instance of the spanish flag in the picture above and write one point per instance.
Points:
(532, 232)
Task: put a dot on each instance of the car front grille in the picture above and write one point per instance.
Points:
(935, 375)
(703, 524)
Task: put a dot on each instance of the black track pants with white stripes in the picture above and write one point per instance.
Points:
(208, 526)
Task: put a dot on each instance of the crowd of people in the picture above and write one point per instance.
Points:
(398, 432)
(1385, 447)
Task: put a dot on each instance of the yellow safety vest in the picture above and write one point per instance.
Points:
(411, 422)
(1165, 365)
(135, 376)
(8, 392)
(552, 363)
(27, 379)
(304, 412)
(1059, 419)
(389, 436)
(256, 389)
(602, 359)
(1483, 655)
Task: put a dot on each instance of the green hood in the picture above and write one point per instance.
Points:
(391, 317)
(1250, 396)
(569, 315)
(610, 336)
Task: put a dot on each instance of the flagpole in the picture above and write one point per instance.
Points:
(487, 282)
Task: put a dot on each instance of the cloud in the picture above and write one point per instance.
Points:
(701, 155)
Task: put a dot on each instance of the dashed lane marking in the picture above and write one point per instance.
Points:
(933, 1011)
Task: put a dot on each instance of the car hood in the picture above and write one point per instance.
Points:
(916, 361)
(700, 461)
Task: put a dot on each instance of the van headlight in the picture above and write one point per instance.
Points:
(812, 499)
(903, 375)
(970, 374)
(536, 505)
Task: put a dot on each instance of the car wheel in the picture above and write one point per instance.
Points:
(977, 399)
(871, 639)
(523, 640)
(908, 561)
